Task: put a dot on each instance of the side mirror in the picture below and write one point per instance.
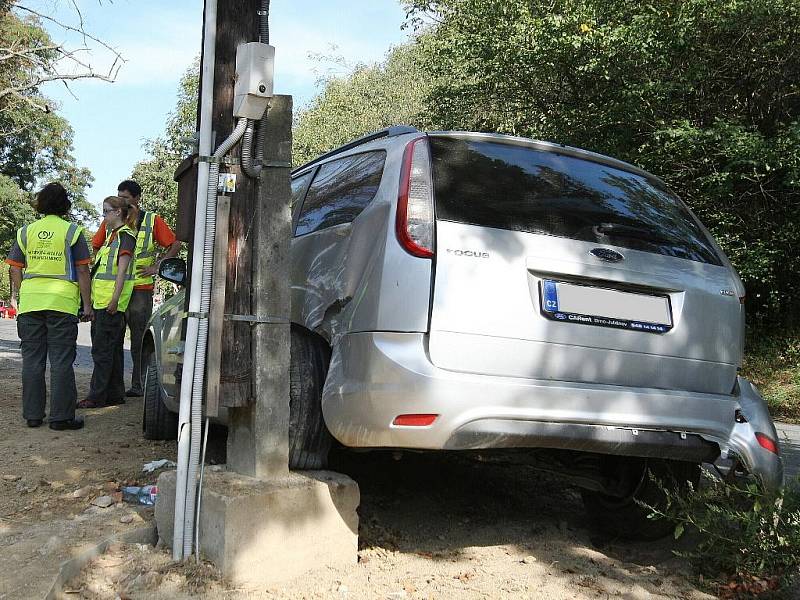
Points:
(174, 270)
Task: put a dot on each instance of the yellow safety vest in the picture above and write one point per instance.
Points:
(145, 249)
(49, 281)
(105, 272)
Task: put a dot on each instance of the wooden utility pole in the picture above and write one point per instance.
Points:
(237, 23)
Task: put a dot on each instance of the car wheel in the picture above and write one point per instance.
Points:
(624, 516)
(158, 422)
(309, 439)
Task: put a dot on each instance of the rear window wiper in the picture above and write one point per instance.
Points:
(630, 231)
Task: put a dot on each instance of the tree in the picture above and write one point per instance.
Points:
(155, 173)
(15, 211)
(29, 57)
(365, 99)
(704, 93)
(35, 142)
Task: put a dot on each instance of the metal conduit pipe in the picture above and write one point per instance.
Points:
(252, 168)
(190, 347)
(202, 333)
(263, 23)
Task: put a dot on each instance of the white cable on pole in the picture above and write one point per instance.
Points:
(200, 494)
(202, 333)
(190, 347)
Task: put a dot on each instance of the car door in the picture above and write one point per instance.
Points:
(328, 265)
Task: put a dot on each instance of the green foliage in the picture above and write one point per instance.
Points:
(15, 211)
(772, 362)
(743, 533)
(25, 45)
(155, 173)
(704, 93)
(35, 142)
(41, 151)
(368, 98)
(5, 282)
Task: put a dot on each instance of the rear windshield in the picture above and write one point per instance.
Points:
(523, 189)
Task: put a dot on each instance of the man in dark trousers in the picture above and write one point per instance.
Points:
(49, 270)
(153, 232)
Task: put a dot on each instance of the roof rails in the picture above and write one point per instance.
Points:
(388, 132)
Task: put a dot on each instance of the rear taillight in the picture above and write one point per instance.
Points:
(767, 443)
(414, 223)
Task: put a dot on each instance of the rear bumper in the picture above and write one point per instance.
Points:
(374, 377)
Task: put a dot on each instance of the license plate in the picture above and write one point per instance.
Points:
(604, 307)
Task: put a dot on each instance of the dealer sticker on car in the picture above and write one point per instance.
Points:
(604, 307)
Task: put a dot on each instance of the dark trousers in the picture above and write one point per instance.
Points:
(138, 314)
(48, 334)
(108, 336)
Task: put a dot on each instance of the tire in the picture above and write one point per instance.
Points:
(309, 439)
(158, 422)
(625, 517)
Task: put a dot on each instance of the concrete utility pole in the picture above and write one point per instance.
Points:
(258, 441)
(259, 522)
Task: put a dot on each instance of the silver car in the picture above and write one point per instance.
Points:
(466, 291)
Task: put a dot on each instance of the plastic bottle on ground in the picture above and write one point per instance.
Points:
(145, 495)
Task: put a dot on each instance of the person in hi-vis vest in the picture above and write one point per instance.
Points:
(49, 268)
(152, 233)
(112, 285)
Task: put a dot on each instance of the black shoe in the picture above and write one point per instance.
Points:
(35, 422)
(115, 402)
(76, 423)
(132, 393)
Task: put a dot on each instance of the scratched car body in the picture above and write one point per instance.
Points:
(481, 292)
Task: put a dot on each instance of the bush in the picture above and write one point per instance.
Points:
(749, 541)
(772, 362)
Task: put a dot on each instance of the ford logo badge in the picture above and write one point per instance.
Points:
(606, 254)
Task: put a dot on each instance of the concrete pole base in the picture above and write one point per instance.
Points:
(264, 532)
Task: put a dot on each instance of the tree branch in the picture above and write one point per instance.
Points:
(80, 30)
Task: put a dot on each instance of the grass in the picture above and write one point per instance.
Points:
(772, 362)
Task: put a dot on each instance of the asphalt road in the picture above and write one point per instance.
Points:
(9, 344)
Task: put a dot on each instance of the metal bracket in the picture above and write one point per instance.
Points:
(225, 160)
(255, 320)
(196, 315)
(276, 164)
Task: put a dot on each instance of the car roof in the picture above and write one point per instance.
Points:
(399, 130)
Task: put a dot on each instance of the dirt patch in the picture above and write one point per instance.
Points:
(49, 479)
(434, 527)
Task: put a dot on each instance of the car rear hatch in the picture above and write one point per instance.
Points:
(556, 264)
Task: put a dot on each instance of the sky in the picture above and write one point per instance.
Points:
(159, 39)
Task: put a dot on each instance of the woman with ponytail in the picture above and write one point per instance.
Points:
(112, 285)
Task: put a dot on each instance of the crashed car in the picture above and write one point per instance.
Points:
(456, 291)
